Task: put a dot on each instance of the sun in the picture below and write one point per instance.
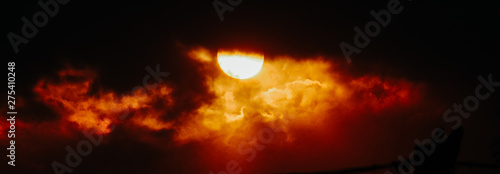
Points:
(240, 65)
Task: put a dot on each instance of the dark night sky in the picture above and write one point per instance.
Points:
(443, 44)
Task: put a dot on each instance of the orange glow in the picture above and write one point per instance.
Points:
(301, 93)
(290, 93)
(73, 101)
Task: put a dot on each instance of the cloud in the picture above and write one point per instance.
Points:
(312, 98)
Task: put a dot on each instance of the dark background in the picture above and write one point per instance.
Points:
(445, 41)
(445, 44)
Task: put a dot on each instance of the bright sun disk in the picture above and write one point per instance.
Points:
(240, 65)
